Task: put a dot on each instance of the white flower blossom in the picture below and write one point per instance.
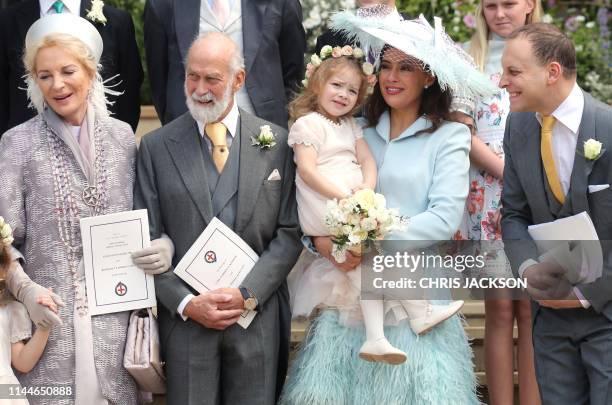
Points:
(96, 14)
(547, 18)
(592, 149)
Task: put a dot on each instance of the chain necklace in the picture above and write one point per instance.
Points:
(68, 217)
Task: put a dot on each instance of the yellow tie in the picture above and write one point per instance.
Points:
(548, 122)
(217, 134)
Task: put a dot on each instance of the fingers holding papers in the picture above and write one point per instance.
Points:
(205, 309)
(156, 259)
(547, 281)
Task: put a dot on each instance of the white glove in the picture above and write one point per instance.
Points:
(28, 292)
(156, 259)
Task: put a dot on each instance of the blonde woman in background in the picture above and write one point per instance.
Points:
(496, 19)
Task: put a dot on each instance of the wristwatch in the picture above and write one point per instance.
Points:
(250, 302)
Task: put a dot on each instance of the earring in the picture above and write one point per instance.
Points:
(425, 87)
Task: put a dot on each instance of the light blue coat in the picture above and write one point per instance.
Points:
(425, 176)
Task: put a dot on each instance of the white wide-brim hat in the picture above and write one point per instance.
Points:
(452, 66)
(69, 24)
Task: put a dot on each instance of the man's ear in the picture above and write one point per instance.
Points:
(239, 79)
(554, 72)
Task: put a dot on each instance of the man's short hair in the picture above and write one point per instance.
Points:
(549, 44)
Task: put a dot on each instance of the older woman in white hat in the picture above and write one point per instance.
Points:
(69, 162)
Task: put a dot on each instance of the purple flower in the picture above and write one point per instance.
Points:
(469, 21)
(551, 3)
(572, 24)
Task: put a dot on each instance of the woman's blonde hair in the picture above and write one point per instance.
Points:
(307, 101)
(82, 54)
(479, 48)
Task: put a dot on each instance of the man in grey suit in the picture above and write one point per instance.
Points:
(549, 174)
(269, 34)
(188, 173)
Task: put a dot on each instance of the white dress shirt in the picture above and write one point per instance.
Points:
(564, 140)
(231, 123)
(70, 6)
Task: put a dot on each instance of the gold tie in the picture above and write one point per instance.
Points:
(548, 122)
(217, 134)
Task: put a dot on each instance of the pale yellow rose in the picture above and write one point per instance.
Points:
(358, 53)
(315, 60)
(367, 68)
(365, 198)
(5, 231)
(326, 51)
(592, 149)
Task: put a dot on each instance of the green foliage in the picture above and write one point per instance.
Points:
(588, 26)
(136, 9)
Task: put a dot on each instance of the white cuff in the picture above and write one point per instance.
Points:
(585, 303)
(523, 267)
(182, 306)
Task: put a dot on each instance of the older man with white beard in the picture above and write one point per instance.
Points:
(204, 165)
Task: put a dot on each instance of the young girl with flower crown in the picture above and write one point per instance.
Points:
(333, 161)
(16, 328)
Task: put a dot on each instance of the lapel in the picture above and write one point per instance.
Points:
(535, 180)
(85, 5)
(253, 12)
(186, 23)
(582, 168)
(253, 167)
(186, 152)
(27, 14)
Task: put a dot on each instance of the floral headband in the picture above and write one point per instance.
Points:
(336, 52)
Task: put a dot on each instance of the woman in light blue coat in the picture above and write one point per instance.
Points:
(423, 165)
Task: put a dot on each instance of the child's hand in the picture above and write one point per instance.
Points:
(47, 301)
(362, 186)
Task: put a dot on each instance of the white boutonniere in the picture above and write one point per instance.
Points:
(96, 14)
(592, 149)
(265, 139)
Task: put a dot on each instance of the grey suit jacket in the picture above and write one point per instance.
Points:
(274, 46)
(525, 200)
(171, 184)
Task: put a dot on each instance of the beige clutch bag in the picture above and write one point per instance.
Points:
(142, 353)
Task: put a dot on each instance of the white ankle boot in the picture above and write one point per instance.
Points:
(381, 350)
(424, 316)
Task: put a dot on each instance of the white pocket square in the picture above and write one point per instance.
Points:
(593, 188)
(274, 176)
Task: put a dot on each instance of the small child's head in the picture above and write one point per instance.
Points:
(336, 83)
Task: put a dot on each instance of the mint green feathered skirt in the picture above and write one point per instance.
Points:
(328, 370)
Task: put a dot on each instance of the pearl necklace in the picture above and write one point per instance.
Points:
(95, 197)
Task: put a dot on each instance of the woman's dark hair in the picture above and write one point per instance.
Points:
(435, 104)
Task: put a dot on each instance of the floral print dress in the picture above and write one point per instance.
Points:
(482, 219)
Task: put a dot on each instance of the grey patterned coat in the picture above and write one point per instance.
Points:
(28, 203)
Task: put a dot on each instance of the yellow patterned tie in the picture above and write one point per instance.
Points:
(217, 134)
(548, 122)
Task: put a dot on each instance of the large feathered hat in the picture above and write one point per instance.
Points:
(453, 67)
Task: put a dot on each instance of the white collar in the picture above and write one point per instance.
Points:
(230, 121)
(70, 6)
(569, 112)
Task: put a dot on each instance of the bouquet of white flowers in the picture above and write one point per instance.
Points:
(360, 218)
(6, 233)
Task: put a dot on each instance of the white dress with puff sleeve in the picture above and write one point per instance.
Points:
(15, 326)
(320, 284)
